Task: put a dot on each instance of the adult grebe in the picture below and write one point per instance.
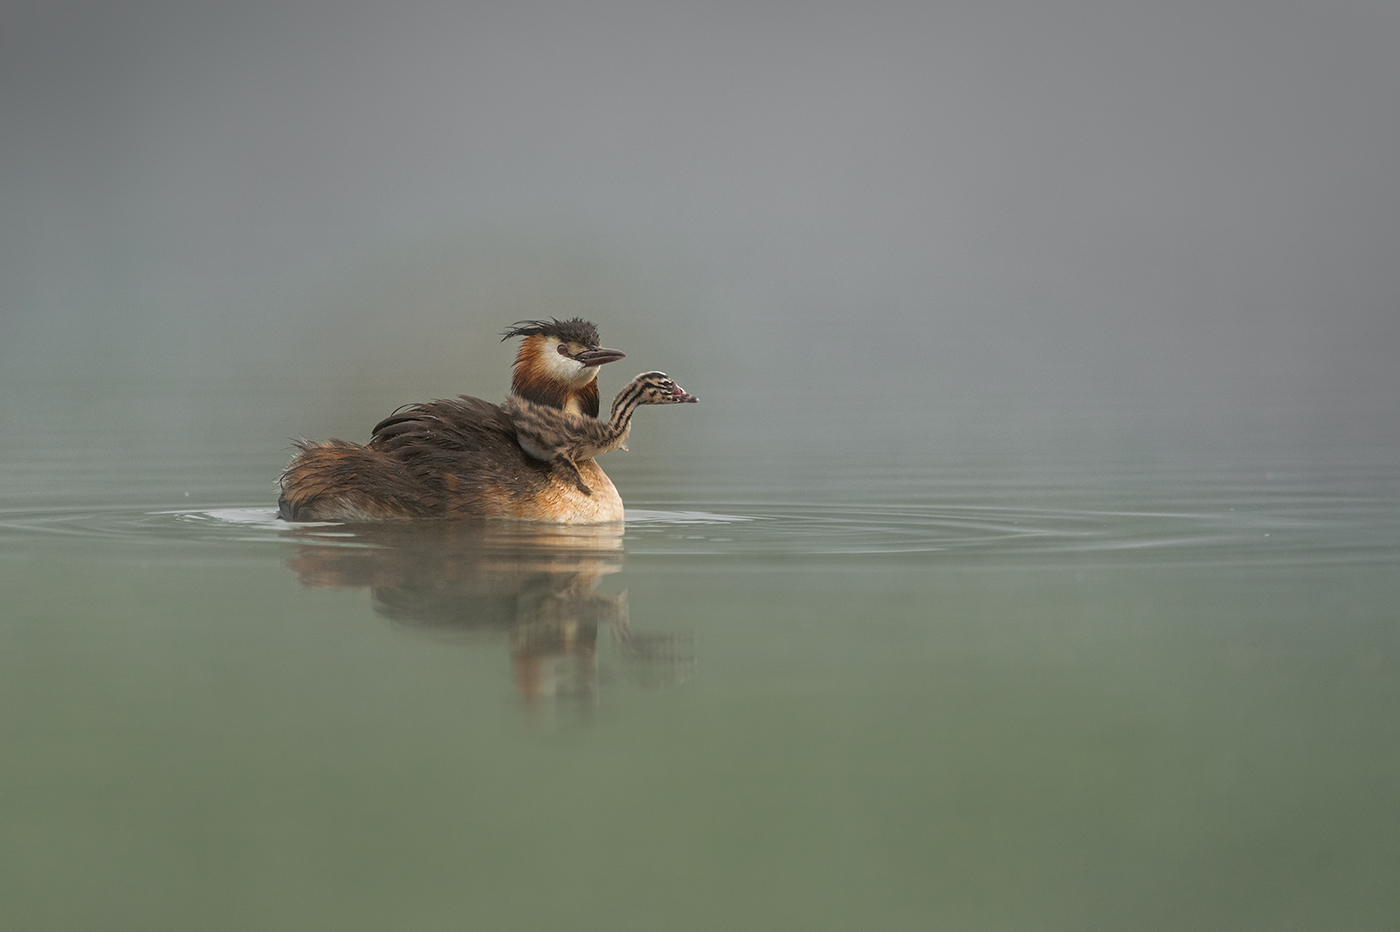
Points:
(460, 457)
(563, 439)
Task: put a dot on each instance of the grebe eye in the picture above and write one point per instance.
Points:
(563, 350)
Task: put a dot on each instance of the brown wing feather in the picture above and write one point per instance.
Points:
(466, 448)
(339, 481)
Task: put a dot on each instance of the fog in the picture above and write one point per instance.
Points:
(1193, 204)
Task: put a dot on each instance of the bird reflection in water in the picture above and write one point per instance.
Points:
(534, 586)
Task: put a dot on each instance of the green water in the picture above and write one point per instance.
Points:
(982, 678)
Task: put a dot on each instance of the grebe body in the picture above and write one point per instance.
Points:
(465, 457)
(455, 458)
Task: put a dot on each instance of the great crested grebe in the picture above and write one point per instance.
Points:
(458, 458)
(562, 439)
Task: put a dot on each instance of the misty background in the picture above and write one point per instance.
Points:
(796, 209)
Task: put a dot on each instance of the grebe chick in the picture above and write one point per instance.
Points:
(557, 364)
(562, 439)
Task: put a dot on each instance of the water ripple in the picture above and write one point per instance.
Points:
(1309, 530)
(1336, 532)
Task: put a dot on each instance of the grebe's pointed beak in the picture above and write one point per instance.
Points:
(597, 357)
(682, 397)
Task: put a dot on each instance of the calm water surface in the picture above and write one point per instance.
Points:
(1076, 682)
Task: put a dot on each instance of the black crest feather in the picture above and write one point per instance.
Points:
(573, 330)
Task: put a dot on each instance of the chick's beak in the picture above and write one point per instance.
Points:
(681, 396)
(597, 357)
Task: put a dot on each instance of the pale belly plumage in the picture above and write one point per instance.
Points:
(562, 502)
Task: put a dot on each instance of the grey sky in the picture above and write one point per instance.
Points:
(1067, 198)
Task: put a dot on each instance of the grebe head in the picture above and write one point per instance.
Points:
(564, 351)
(657, 388)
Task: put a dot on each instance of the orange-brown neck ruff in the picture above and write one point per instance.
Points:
(533, 382)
